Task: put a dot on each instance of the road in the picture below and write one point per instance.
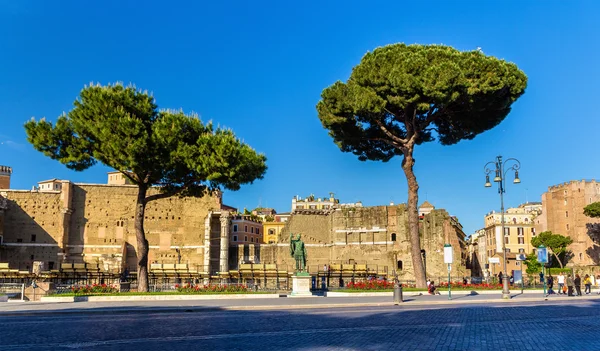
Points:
(544, 325)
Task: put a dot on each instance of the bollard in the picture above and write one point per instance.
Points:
(398, 294)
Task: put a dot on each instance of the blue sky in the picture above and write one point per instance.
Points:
(259, 68)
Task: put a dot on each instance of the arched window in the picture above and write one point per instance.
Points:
(394, 238)
(514, 220)
(271, 231)
(399, 265)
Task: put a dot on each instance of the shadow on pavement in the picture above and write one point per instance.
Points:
(548, 326)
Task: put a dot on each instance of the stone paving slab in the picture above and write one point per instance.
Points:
(556, 324)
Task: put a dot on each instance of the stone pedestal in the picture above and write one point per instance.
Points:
(42, 289)
(301, 285)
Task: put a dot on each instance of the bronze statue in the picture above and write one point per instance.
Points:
(298, 252)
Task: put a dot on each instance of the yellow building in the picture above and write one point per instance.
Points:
(271, 231)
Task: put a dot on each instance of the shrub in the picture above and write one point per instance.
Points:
(191, 288)
(94, 289)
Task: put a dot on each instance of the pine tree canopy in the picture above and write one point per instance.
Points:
(122, 127)
(401, 95)
(592, 210)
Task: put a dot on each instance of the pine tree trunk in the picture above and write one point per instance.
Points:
(142, 243)
(413, 218)
(558, 259)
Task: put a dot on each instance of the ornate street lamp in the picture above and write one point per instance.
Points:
(500, 169)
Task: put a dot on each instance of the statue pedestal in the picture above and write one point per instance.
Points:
(301, 285)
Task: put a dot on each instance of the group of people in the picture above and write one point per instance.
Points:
(571, 286)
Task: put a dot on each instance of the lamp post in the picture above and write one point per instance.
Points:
(500, 169)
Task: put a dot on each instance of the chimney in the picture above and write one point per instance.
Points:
(5, 173)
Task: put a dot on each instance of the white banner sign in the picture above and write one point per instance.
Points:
(494, 260)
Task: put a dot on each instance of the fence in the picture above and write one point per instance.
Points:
(15, 291)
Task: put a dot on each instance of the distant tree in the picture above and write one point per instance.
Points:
(269, 218)
(533, 266)
(592, 210)
(175, 153)
(557, 243)
(400, 96)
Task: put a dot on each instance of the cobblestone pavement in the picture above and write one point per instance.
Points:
(550, 325)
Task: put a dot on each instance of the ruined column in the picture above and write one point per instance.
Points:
(207, 227)
(224, 258)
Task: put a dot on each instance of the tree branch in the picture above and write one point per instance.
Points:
(168, 193)
(390, 134)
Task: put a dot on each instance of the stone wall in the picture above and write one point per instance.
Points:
(94, 223)
(562, 213)
(376, 236)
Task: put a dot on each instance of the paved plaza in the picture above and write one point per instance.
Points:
(556, 324)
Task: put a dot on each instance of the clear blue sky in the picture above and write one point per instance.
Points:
(259, 68)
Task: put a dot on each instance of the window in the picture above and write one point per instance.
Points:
(299, 207)
(257, 231)
(526, 220)
(567, 226)
(521, 240)
(33, 238)
(19, 240)
(235, 238)
(506, 239)
(246, 228)
(533, 231)
(507, 250)
(252, 230)
(245, 238)
(506, 231)
(235, 228)
(394, 239)
(50, 265)
(521, 250)
(514, 220)
(313, 207)
(271, 231)
(399, 265)
(520, 231)
(567, 214)
(251, 239)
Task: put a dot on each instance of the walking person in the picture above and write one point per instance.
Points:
(587, 282)
(577, 282)
(561, 283)
(550, 281)
(570, 284)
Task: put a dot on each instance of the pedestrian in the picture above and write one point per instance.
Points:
(432, 289)
(500, 278)
(587, 282)
(512, 280)
(428, 283)
(561, 283)
(570, 284)
(577, 282)
(550, 281)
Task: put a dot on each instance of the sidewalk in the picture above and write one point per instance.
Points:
(281, 303)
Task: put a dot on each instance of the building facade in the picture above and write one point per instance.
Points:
(519, 228)
(271, 231)
(5, 174)
(245, 229)
(562, 213)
